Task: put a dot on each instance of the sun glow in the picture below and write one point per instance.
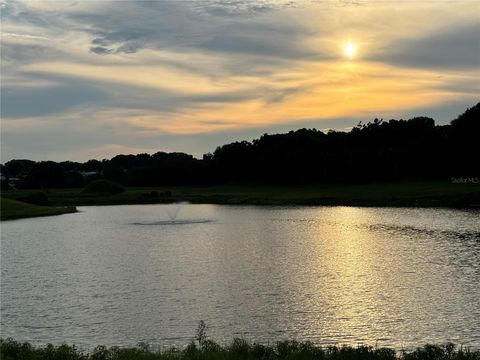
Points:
(349, 50)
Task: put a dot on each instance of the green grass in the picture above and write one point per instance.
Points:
(238, 349)
(423, 194)
(12, 209)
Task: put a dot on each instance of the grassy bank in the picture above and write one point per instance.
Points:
(12, 209)
(236, 350)
(421, 194)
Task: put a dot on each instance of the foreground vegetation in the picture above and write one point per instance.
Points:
(12, 209)
(236, 350)
(422, 194)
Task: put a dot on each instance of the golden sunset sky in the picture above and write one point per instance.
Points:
(92, 79)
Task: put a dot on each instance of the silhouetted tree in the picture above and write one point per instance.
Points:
(45, 174)
(380, 150)
(18, 168)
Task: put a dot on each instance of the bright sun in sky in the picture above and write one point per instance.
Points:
(349, 50)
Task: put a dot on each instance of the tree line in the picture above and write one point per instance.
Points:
(393, 150)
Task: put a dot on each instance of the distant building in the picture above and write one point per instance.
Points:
(88, 173)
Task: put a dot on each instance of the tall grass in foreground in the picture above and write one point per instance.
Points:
(236, 350)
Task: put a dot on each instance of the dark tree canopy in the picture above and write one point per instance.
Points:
(393, 150)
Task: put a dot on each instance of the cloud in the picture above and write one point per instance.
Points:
(466, 85)
(453, 48)
(128, 27)
(100, 50)
(24, 36)
(20, 102)
(248, 37)
(21, 14)
(15, 54)
(62, 93)
(272, 45)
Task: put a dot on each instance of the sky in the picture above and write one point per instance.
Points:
(93, 79)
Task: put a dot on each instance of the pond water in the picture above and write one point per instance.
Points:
(117, 275)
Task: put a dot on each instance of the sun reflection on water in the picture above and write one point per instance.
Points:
(352, 255)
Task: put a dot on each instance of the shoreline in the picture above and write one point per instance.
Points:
(405, 194)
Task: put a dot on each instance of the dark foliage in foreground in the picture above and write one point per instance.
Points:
(394, 150)
(238, 349)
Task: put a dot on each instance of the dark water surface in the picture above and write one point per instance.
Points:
(118, 275)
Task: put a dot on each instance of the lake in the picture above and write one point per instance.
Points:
(117, 275)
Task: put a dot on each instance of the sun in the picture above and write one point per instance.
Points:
(350, 50)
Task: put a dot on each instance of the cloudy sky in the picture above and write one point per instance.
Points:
(92, 79)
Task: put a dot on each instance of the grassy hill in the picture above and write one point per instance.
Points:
(13, 209)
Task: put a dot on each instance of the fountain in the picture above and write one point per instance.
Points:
(172, 211)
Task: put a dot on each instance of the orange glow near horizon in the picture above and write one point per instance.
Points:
(329, 90)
